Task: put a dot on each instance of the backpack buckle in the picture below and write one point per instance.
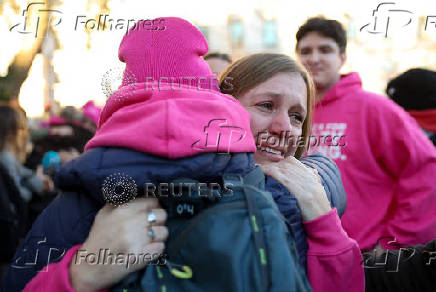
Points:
(233, 180)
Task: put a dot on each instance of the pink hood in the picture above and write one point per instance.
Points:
(169, 103)
(174, 123)
(348, 82)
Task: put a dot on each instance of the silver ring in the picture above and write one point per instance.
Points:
(151, 217)
(152, 234)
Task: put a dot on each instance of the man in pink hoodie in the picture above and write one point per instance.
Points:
(387, 164)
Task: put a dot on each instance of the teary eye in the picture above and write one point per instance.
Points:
(296, 117)
(266, 105)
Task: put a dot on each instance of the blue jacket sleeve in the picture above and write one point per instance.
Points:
(331, 180)
(63, 224)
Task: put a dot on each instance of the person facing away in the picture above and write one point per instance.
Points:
(415, 91)
(387, 164)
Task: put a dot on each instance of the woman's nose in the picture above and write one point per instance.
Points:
(280, 124)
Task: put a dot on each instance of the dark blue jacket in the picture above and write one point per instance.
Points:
(67, 220)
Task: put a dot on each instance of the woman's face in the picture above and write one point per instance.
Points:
(277, 110)
(22, 143)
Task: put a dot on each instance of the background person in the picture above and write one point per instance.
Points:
(14, 144)
(415, 91)
(387, 164)
(18, 184)
(217, 62)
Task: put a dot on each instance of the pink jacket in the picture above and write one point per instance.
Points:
(387, 164)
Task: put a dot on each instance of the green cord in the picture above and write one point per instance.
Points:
(262, 256)
(253, 220)
(159, 273)
(185, 274)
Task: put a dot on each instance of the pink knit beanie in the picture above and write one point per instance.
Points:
(165, 50)
(186, 115)
(91, 111)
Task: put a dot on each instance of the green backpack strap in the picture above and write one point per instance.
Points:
(250, 184)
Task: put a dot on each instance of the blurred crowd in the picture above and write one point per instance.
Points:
(31, 151)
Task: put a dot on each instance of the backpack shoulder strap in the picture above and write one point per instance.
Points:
(254, 177)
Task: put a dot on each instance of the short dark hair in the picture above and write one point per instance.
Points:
(327, 27)
(222, 56)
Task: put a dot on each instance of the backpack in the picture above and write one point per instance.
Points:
(230, 239)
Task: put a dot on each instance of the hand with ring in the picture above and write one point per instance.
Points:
(137, 227)
(151, 218)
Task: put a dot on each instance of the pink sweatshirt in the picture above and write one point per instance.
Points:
(333, 259)
(387, 164)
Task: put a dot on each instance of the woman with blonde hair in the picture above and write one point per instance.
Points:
(17, 183)
(14, 135)
(278, 93)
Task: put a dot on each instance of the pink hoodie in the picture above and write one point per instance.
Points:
(387, 164)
